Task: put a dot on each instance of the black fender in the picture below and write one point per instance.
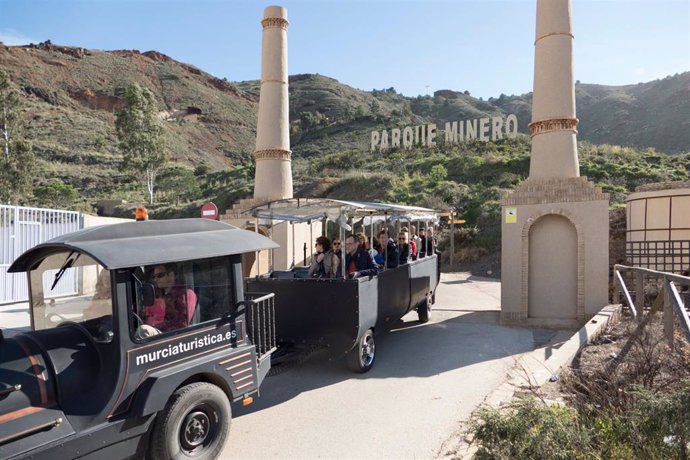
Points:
(234, 371)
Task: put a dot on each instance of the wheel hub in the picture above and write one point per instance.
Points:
(368, 351)
(196, 428)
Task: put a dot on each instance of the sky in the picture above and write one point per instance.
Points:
(483, 46)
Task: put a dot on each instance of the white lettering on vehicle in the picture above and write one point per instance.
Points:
(185, 346)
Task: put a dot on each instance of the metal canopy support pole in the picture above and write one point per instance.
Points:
(271, 262)
(311, 241)
(452, 238)
(258, 253)
(292, 228)
(343, 248)
(385, 250)
(371, 228)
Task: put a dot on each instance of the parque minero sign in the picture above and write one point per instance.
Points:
(481, 129)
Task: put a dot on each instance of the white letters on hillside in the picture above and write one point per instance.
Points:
(482, 129)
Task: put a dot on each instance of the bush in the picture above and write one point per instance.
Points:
(655, 427)
(56, 195)
(633, 403)
(529, 429)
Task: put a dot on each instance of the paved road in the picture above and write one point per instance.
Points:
(427, 378)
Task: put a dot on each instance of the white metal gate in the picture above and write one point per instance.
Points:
(21, 229)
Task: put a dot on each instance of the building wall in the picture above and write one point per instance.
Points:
(538, 242)
(659, 215)
(658, 229)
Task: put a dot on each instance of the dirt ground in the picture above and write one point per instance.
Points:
(623, 355)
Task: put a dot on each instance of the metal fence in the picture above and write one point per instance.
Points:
(21, 229)
(668, 291)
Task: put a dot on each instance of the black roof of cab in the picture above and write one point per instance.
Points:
(131, 244)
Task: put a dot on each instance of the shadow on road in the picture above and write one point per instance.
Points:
(412, 349)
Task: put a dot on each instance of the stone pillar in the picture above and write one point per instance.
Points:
(553, 127)
(273, 179)
(555, 227)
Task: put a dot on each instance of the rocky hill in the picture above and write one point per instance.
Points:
(71, 96)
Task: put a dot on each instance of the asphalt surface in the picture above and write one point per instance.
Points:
(426, 380)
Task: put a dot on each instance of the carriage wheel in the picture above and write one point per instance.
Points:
(424, 310)
(361, 357)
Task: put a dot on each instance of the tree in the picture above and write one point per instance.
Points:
(438, 173)
(375, 108)
(179, 183)
(141, 135)
(56, 195)
(17, 163)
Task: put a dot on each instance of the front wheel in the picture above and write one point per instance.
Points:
(194, 423)
(361, 357)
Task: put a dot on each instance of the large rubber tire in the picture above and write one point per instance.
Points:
(424, 310)
(361, 357)
(194, 424)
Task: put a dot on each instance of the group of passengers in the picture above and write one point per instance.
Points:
(366, 258)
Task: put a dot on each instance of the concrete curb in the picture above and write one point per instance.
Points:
(534, 369)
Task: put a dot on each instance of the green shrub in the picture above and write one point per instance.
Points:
(529, 429)
(654, 426)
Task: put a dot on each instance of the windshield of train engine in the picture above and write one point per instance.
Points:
(70, 287)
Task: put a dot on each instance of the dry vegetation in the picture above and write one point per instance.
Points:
(627, 395)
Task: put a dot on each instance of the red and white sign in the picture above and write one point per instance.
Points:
(209, 211)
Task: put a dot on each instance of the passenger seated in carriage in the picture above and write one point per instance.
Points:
(358, 262)
(411, 241)
(404, 247)
(390, 250)
(324, 264)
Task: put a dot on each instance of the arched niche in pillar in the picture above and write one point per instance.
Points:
(553, 267)
(250, 265)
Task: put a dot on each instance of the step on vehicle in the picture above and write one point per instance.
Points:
(146, 358)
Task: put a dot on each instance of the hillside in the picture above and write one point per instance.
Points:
(71, 96)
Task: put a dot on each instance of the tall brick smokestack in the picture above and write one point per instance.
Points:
(554, 125)
(273, 179)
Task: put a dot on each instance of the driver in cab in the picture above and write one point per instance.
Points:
(173, 307)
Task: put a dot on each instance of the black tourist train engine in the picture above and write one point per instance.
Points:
(143, 356)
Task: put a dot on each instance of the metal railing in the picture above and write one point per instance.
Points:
(663, 255)
(261, 321)
(674, 302)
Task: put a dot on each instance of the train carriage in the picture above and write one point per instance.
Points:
(345, 314)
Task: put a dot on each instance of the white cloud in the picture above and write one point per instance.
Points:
(13, 38)
(639, 71)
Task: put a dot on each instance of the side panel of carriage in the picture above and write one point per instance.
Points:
(336, 313)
